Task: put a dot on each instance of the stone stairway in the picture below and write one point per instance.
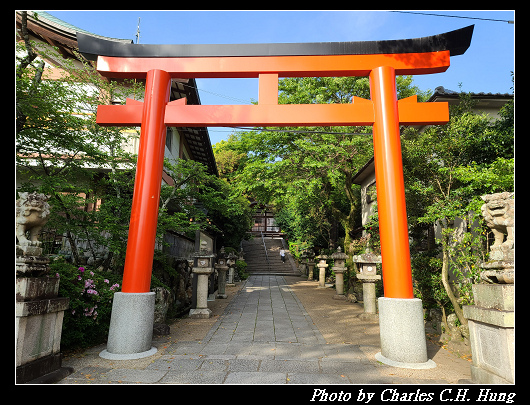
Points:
(257, 263)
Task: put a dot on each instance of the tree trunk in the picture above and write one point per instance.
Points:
(349, 225)
(349, 221)
(444, 317)
(69, 236)
(445, 281)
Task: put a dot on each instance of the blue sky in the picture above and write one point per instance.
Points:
(485, 67)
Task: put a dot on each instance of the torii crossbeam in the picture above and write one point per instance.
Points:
(380, 60)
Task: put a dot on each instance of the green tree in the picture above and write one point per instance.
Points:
(86, 169)
(317, 163)
(447, 168)
(210, 202)
(229, 161)
(58, 143)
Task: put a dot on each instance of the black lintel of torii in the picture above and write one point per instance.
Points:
(457, 42)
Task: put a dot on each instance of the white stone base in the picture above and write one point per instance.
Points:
(200, 313)
(111, 356)
(402, 333)
(492, 333)
(131, 326)
(419, 366)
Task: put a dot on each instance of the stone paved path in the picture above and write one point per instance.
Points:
(265, 336)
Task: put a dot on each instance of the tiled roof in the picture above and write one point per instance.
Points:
(62, 34)
(442, 91)
(52, 21)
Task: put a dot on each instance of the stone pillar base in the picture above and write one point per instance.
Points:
(418, 366)
(38, 323)
(221, 293)
(482, 376)
(368, 317)
(131, 327)
(322, 275)
(492, 333)
(402, 333)
(200, 313)
(309, 270)
(45, 370)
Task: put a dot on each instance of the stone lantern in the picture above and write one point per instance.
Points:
(222, 267)
(231, 262)
(303, 262)
(322, 265)
(310, 263)
(491, 320)
(39, 311)
(367, 274)
(203, 267)
(339, 267)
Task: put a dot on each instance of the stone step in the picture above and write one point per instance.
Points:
(259, 263)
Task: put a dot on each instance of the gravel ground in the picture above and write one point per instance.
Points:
(181, 329)
(338, 322)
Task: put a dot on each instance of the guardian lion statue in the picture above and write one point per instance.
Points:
(32, 210)
(499, 212)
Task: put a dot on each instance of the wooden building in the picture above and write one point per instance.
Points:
(181, 143)
(264, 222)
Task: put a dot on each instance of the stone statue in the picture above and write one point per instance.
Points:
(498, 212)
(32, 210)
(39, 310)
(491, 320)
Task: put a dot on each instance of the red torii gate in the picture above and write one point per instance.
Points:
(380, 60)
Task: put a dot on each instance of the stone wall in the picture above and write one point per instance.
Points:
(174, 275)
(38, 309)
(492, 319)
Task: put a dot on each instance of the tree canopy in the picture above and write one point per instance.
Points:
(307, 172)
(88, 170)
(447, 168)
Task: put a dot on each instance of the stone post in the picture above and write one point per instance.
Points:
(339, 267)
(303, 263)
(222, 268)
(367, 274)
(310, 264)
(491, 320)
(202, 269)
(322, 265)
(231, 262)
(38, 311)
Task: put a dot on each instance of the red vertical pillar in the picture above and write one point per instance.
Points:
(393, 230)
(146, 197)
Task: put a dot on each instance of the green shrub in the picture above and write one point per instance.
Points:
(241, 267)
(427, 280)
(86, 321)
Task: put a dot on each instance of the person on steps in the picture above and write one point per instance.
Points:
(282, 254)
